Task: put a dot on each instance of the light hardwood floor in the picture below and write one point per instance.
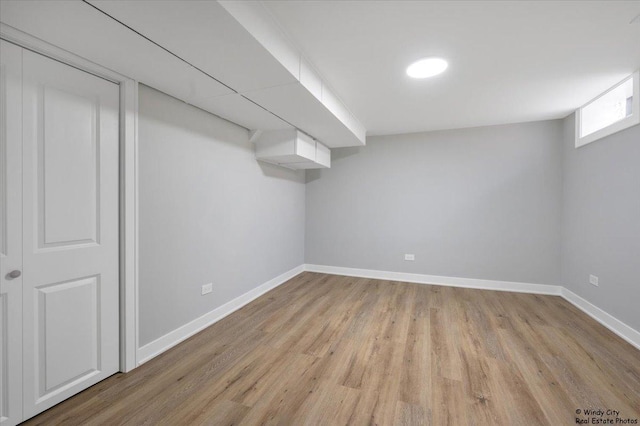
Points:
(325, 349)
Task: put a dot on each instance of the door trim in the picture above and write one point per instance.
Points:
(128, 183)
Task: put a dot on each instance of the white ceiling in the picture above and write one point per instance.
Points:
(508, 61)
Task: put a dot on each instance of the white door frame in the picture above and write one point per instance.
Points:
(128, 183)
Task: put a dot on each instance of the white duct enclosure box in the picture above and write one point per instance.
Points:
(292, 149)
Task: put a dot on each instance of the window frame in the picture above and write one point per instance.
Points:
(625, 123)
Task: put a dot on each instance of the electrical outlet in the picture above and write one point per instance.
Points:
(207, 288)
(409, 257)
(593, 280)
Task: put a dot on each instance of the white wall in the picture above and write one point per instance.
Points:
(209, 213)
(601, 221)
(473, 203)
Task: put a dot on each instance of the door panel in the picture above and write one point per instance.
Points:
(58, 331)
(69, 165)
(10, 233)
(70, 232)
(4, 391)
(10, 405)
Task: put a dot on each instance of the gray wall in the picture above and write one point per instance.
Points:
(601, 221)
(209, 212)
(513, 203)
(476, 203)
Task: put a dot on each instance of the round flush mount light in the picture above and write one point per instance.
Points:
(427, 67)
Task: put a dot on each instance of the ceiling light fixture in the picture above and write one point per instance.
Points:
(427, 67)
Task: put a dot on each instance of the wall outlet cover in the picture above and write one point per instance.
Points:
(207, 288)
(593, 280)
(409, 257)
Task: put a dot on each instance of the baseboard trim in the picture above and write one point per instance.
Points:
(158, 346)
(612, 323)
(517, 287)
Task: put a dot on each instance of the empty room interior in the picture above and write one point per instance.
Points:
(319, 212)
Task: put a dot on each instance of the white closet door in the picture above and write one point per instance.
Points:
(70, 231)
(10, 234)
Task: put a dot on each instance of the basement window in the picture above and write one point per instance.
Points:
(614, 110)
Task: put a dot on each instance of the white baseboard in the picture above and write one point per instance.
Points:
(438, 280)
(150, 350)
(612, 323)
(615, 325)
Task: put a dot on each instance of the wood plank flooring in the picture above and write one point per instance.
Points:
(325, 349)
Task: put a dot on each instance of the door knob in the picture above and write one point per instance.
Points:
(13, 274)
